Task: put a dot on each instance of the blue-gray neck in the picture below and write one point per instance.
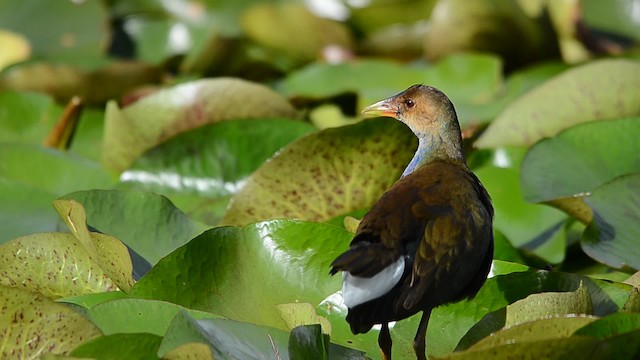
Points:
(447, 146)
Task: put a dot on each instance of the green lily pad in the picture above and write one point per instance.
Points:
(298, 314)
(496, 26)
(52, 264)
(326, 174)
(542, 329)
(24, 210)
(227, 338)
(90, 300)
(291, 29)
(33, 325)
(209, 164)
(50, 170)
(155, 118)
(615, 17)
(466, 78)
(148, 223)
(450, 323)
(583, 158)
(26, 117)
(249, 270)
(611, 325)
(556, 348)
(613, 235)
(530, 227)
(108, 252)
(538, 306)
(73, 32)
(138, 316)
(121, 346)
(306, 342)
(599, 90)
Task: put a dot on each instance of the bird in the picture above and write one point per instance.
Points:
(428, 240)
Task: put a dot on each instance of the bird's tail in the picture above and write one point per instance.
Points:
(364, 259)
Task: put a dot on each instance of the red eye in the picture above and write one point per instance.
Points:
(409, 103)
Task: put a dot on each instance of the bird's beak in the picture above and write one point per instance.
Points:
(381, 108)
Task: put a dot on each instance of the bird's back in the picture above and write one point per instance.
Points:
(439, 220)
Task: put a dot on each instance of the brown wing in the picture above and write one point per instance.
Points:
(456, 244)
(440, 218)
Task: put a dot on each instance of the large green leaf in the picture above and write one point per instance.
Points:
(52, 264)
(325, 174)
(50, 170)
(467, 78)
(148, 223)
(291, 29)
(531, 227)
(200, 169)
(542, 329)
(612, 237)
(497, 26)
(450, 323)
(132, 130)
(243, 273)
(120, 346)
(612, 337)
(580, 159)
(600, 90)
(73, 31)
(227, 339)
(137, 316)
(611, 325)
(26, 117)
(24, 210)
(616, 16)
(33, 325)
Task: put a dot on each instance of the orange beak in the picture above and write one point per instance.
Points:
(381, 108)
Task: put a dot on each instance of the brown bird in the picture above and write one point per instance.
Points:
(428, 240)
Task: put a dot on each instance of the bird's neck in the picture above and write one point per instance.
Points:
(441, 146)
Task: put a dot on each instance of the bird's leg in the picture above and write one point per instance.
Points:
(384, 341)
(419, 342)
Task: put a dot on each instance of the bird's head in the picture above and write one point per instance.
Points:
(424, 109)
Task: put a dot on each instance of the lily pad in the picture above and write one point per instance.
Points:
(137, 316)
(73, 32)
(542, 329)
(227, 338)
(33, 325)
(599, 90)
(209, 164)
(326, 174)
(290, 28)
(121, 346)
(155, 118)
(53, 264)
(243, 273)
(497, 26)
(450, 323)
(148, 223)
(24, 210)
(582, 158)
(532, 227)
(465, 78)
(108, 252)
(50, 170)
(613, 235)
(298, 314)
(26, 117)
